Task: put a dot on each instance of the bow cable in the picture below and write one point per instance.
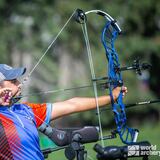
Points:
(89, 53)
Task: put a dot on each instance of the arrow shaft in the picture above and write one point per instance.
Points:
(134, 104)
(142, 103)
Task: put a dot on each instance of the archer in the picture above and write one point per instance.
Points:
(19, 122)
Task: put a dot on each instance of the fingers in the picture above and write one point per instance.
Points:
(124, 90)
(116, 91)
(5, 96)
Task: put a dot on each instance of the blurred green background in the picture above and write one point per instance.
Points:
(28, 27)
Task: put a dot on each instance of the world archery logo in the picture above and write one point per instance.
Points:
(133, 150)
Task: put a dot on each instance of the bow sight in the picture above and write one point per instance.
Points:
(137, 66)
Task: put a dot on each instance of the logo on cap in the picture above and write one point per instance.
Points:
(2, 77)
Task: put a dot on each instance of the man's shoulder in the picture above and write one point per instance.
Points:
(33, 106)
(21, 106)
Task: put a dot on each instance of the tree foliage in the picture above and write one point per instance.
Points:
(27, 27)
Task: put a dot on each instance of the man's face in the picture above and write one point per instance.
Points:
(14, 85)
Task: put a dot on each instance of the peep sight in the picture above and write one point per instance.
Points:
(15, 99)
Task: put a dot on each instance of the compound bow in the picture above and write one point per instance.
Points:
(110, 33)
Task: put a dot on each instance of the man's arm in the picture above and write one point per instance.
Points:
(79, 104)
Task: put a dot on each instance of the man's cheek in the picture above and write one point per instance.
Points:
(14, 92)
(18, 93)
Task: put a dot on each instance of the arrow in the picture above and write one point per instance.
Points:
(135, 104)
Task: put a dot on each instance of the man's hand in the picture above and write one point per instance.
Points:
(5, 96)
(116, 91)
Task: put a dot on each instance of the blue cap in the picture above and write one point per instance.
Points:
(9, 73)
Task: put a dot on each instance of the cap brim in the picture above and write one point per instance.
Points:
(15, 73)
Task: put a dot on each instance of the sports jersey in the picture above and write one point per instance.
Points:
(19, 138)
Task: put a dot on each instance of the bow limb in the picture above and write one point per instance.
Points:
(109, 35)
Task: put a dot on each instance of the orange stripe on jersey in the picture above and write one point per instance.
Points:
(39, 111)
(9, 141)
